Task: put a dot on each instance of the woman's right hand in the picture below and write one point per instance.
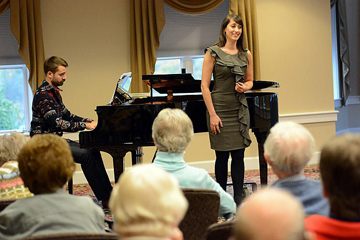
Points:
(215, 123)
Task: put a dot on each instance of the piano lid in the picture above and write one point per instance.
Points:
(185, 83)
(177, 83)
(258, 84)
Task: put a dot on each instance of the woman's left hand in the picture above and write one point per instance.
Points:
(241, 87)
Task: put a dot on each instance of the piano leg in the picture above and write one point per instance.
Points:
(136, 156)
(118, 155)
(118, 162)
(261, 137)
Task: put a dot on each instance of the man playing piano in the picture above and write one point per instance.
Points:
(51, 116)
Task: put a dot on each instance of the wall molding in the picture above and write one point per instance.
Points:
(310, 117)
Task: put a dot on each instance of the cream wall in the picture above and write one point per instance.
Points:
(93, 37)
(295, 49)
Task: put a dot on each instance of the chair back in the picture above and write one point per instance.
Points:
(203, 211)
(219, 231)
(5, 202)
(76, 236)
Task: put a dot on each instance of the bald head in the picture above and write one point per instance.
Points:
(270, 214)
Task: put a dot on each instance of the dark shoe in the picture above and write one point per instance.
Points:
(239, 199)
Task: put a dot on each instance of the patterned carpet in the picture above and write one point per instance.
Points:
(311, 171)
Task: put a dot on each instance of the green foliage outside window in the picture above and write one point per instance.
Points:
(12, 99)
(9, 113)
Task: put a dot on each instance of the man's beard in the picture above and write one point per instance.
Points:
(57, 83)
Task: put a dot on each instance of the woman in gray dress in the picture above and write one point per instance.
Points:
(227, 111)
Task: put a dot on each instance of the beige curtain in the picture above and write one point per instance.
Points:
(147, 22)
(25, 23)
(4, 5)
(246, 9)
(193, 6)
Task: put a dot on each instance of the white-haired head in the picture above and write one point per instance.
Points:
(172, 130)
(147, 201)
(289, 147)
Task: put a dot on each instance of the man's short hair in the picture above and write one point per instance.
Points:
(147, 201)
(290, 146)
(45, 163)
(340, 174)
(51, 64)
(172, 130)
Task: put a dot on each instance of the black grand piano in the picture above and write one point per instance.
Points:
(125, 126)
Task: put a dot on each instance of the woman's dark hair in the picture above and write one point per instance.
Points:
(222, 38)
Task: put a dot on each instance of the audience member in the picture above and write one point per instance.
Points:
(340, 174)
(10, 146)
(270, 214)
(147, 203)
(11, 184)
(46, 164)
(172, 131)
(288, 149)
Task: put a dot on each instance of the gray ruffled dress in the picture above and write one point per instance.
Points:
(229, 105)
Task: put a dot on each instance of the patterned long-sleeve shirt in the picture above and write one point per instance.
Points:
(50, 114)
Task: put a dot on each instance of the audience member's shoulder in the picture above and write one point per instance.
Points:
(314, 220)
(80, 199)
(198, 171)
(83, 205)
(312, 183)
(86, 202)
(319, 224)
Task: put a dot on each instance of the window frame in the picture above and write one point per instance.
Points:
(27, 98)
(186, 62)
(337, 88)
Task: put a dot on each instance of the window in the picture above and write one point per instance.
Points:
(335, 55)
(15, 96)
(168, 65)
(15, 92)
(191, 64)
(197, 63)
(184, 39)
